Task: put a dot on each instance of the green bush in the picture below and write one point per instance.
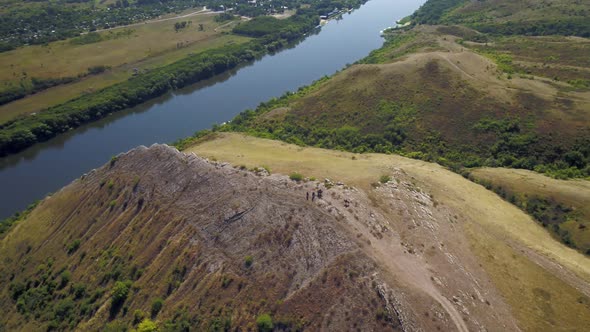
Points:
(296, 177)
(79, 290)
(264, 323)
(384, 178)
(147, 326)
(73, 246)
(65, 277)
(114, 160)
(120, 292)
(248, 261)
(138, 316)
(157, 305)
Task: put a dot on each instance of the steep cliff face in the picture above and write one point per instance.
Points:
(219, 246)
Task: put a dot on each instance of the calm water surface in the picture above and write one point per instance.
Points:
(46, 167)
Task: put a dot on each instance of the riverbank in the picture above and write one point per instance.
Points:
(114, 56)
(21, 133)
(31, 174)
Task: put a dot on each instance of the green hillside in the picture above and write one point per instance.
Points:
(435, 96)
(460, 97)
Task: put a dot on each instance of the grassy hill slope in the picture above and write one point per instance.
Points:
(429, 94)
(159, 237)
(529, 17)
(457, 96)
(544, 282)
(156, 235)
(563, 207)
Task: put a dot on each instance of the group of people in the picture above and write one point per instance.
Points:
(314, 195)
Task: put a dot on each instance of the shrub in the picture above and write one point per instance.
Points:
(384, 178)
(226, 281)
(138, 316)
(157, 306)
(120, 292)
(65, 278)
(147, 326)
(113, 160)
(264, 323)
(73, 246)
(296, 177)
(79, 290)
(116, 326)
(248, 260)
(266, 168)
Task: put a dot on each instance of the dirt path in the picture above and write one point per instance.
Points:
(228, 23)
(391, 255)
(411, 272)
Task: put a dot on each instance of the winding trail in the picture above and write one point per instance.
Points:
(412, 272)
(391, 255)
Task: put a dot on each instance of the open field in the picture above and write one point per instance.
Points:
(545, 283)
(575, 192)
(563, 206)
(142, 47)
(114, 48)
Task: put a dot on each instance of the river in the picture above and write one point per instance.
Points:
(46, 167)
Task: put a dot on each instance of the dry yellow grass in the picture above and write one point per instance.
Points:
(505, 239)
(576, 192)
(62, 58)
(573, 194)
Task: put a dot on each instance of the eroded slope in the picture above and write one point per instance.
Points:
(475, 246)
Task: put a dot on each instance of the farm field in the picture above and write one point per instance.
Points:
(121, 51)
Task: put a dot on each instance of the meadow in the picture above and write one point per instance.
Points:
(118, 54)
